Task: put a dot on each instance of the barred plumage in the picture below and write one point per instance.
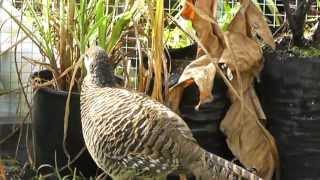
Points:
(130, 135)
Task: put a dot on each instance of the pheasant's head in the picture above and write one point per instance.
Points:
(98, 66)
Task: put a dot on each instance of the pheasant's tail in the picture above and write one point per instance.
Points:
(220, 168)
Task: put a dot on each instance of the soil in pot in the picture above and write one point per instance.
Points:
(290, 96)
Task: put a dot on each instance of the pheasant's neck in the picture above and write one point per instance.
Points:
(102, 77)
(103, 82)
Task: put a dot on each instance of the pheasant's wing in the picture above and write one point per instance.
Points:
(137, 131)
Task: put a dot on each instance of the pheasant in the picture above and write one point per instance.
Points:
(131, 135)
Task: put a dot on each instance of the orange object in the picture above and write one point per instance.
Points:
(2, 172)
(188, 11)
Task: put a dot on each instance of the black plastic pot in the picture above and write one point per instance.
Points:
(48, 126)
(290, 95)
(205, 122)
(188, 52)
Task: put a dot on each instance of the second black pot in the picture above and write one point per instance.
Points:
(205, 122)
(290, 95)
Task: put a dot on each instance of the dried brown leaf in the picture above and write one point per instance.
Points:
(250, 21)
(246, 135)
(175, 96)
(247, 138)
(245, 3)
(258, 25)
(202, 72)
(202, 14)
(209, 7)
(242, 53)
(238, 23)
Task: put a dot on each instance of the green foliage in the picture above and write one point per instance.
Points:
(176, 38)
(119, 71)
(112, 26)
(102, 29)
(121, 22)
(11, 167)
(228, 15)
(305, 51)
(270, 4)
(42, 37)
(16, 170)
(64, 29)
(229, 12)
(86, 23)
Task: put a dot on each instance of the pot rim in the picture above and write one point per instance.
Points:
(56, 92)
(48, 89)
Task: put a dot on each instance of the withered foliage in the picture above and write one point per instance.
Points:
(239, 49)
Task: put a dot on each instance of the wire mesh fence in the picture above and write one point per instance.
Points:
(13, 68)
(273, 10)
(13, 106)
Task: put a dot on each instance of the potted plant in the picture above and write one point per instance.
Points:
(63, 30)
(289, 92)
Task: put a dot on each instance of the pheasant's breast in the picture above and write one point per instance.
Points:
(125, 134)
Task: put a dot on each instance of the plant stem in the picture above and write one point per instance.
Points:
(297, 19)
(157, 50)
(62, 43)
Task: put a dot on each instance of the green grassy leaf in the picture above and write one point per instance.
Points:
(122, 21)
(94, 28)
(101, 12)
